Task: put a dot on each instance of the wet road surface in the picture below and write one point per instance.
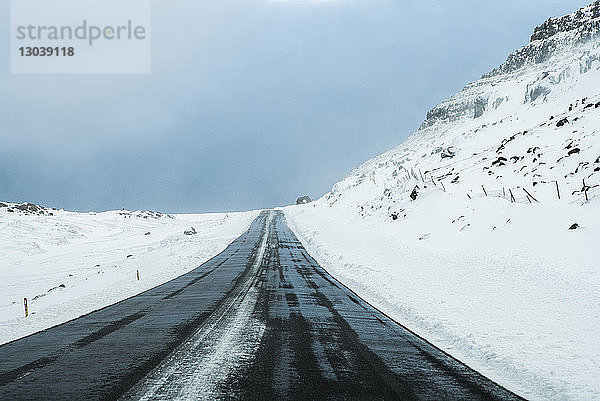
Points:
(262, 320)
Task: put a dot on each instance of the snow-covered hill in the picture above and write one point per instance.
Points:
(68, 264)
(480, 231)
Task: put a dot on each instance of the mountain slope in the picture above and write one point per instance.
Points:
(460, 233)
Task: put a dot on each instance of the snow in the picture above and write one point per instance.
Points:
(482, 263)
(96, 257)
(502, 285)
(215, 352)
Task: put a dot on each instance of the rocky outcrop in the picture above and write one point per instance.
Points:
(303, 200)
(554, 35)
(450, 111)
(27, 209)
(578, 20)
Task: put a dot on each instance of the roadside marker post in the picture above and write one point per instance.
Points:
(138, 275)
(26, 307)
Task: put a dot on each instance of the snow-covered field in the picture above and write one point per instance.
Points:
(483, 262)
(479, 233)
(69, 264)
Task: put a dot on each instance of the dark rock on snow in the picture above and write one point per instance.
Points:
(415, 193)
(303, 200)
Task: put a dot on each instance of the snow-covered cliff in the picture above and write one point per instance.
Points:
(480, 230)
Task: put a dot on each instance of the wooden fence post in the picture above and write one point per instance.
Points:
(530, 196)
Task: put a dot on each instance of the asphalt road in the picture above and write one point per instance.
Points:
(262, 320)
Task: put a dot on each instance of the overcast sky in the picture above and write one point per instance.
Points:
(250, 103)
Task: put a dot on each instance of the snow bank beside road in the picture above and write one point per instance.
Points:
(70, 264)
(523, 312)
